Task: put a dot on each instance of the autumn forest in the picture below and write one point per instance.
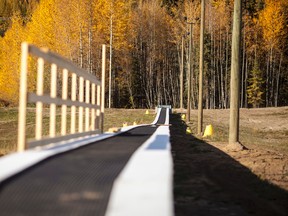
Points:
(146, 39)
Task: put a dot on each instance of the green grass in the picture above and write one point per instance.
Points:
(9, 123)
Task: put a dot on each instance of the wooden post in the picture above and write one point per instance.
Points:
(39, 104)
(53, 94)
(103, 85)
(181, 74)
(235, 73)
(189, 76)
(64, 106)
(110, 63)
(23, 99)
(98, 111)
(87, 100)
(201, 66)
(93, 111)
(73, 108)
(81, 99)
(90, 82)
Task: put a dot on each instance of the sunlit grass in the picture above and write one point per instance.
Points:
(254, 127)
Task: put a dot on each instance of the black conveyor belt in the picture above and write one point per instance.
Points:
(77, 182)
(162, 116)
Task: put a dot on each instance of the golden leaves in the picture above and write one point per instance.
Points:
(272, 20)
(9, 61)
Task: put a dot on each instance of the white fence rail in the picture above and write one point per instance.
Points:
(83, 86)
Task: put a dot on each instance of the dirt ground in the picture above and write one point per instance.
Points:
(209, 180)
(263, 131)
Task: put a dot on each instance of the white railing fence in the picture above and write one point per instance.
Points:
(81, 91)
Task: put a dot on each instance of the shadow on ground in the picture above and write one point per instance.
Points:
(207, 181)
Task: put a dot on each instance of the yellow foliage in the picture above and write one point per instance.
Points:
(272, 20)
(41, 29)
(63, 26)
(10, 61)
(118, 11)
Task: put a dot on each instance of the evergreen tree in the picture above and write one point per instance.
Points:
(254, 89)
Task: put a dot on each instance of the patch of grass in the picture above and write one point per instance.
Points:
(9, 123)
(259, 128)
(116, 117)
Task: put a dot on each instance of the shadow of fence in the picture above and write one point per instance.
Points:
(207, 181)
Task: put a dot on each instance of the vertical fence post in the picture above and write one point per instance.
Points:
(87, 100)
(81, 99)
(93, 95)
(73, 108)
(39, 104)
(53, 94)
(92, 113)
(23, 99)
(103, 85)
(98, 112)
(64, 107)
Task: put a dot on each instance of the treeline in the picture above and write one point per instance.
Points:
(146, 47)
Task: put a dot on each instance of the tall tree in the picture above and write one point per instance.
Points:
(273, 21)
(254, 89)
(147, 40)
(9, 61)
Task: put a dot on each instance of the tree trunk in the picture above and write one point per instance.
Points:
(214, 72)
(81, 48)
(193, 75)
(211, 86)
(272, 78)
(245, 85)
(277, 82)
(223, 105)
(226, 68)
(90, 68)
(267, 82)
